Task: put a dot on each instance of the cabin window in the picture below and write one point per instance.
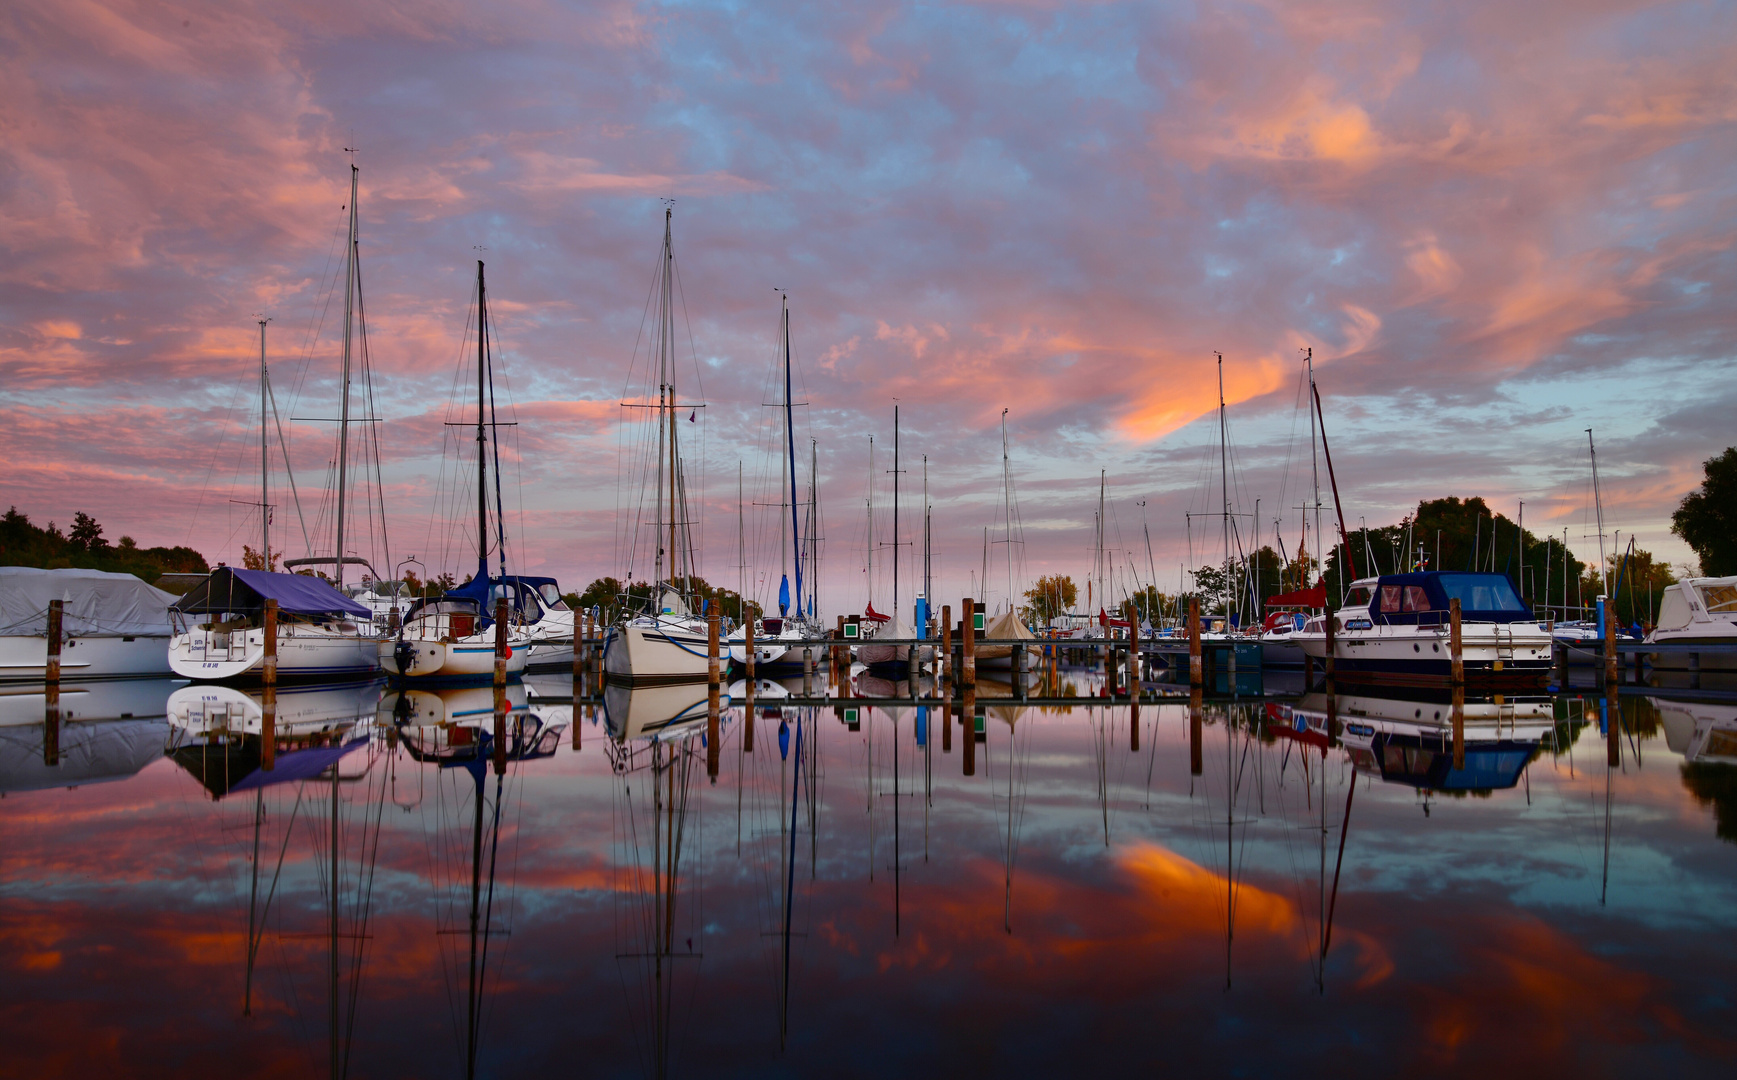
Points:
(1358, 597)
(552, 597)
(1482, 592)
(1416, 598)
(1390, 598)
(1719, 598)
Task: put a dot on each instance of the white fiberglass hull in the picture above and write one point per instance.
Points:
(649, 651)
(767, 650)
(426, 656)
(1491, 652)
(303, 652)
(24, 658)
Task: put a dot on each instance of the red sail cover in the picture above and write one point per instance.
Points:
(874, 616)
(1105, 620)
(1309, 598)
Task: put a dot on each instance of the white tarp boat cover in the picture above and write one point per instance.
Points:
(96, 603)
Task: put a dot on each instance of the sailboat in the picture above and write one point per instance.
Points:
(772, 634)
(1008, 625)
(668, 642)
(453, 635)
(219, 626)
(897, 626)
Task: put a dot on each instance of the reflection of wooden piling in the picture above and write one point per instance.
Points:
(968, 647)
(1330, 664)
(748, 721)
(968, 717)
(1194, 672)
(712, 739)
(1613, 722)
(1134, 725)
(51, 672)
(947, 728)
(1194, 751)
(1459, 727)
(1456, 646)
(268, 695)
(1332, 715)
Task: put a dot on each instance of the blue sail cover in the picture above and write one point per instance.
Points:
(298, 765)
(784, 596)
(230, 589)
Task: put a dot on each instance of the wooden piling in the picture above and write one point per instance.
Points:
(840, 655)
(1612, 673)
(968, 647)
(1456, 645)
(56, 611)
(807, 671)
(748, 646)
(1194, 667)
(712, 653)
(1133, 653)
(1330, 663)
(944, 670)
(581, 646)
(502, 650)
(268, 694)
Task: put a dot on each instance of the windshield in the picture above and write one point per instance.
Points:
(552, 596)
(1358, 597)
(1482, 592)
(1719, 598)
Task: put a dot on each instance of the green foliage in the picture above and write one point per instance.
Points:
(25, 544)
(1460, 534)
(614, 597)
(1051, 596)
(1637, 583)
(1707, 517)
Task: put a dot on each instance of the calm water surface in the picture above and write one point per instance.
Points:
(1088, 886)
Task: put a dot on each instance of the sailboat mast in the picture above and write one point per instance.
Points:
(1598, 507)
(1100, 551)
(482, 469)
(1007, 508)
(790, 445)
(344, 383)
(813, 538)
(668, 364)
(264, 454)
(870, 571)
(928, 539)
(1314, 473)
(895, 511)
(1224, 482)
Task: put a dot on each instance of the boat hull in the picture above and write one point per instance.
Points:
(661, 652)
(467, 658)
(24, 658)
(302, 653)
(1491, 654)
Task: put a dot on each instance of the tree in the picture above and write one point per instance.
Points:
(1707, 517)
(1637, 584)
(250, 559)
(1052, 596)
(86, 534)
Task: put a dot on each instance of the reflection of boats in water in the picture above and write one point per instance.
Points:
(1410, 739)
(671, 710)
(1702, 732)
(115, 729)
(454, 724)
(654, 926)
(216, 733)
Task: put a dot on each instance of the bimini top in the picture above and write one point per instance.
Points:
(525, 594)
(94, 602)
(1411, 599)
(229, 589)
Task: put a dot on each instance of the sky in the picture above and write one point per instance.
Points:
(1494, 225)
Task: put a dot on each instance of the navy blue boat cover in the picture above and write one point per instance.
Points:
(230, 589)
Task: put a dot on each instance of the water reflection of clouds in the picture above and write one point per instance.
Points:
(1468, 938)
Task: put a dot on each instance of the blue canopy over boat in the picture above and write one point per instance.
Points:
(1411, 599)
(522, 592)
(231, 590)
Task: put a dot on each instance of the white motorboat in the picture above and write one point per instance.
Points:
(113, 626)
(220, 628)
(1697, 611)
(1395, 629)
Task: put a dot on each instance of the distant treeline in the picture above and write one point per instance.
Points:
(23, 543)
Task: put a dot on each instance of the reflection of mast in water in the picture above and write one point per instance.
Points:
(655, 883)
(1016, 781)
(445, 728)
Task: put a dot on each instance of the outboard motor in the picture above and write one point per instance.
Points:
(403, 654)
